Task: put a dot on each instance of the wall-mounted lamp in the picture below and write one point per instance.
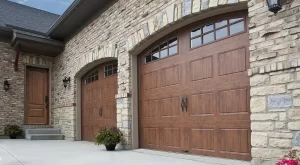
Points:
(274, 5)
(66, 81)
(6, 85)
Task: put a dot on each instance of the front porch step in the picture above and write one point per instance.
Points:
(45, 137)
(44, 134)
(43, 131)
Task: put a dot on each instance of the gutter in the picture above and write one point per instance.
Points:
(65, 16)
(5, 29)
(17, 37)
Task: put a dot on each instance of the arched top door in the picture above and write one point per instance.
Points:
(99, 87)
(194, 89)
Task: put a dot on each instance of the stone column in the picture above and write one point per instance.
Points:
(275, 80)
(124, 111)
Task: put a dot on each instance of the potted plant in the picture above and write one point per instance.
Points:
(291, 158)
(109, 137)
(12, 131)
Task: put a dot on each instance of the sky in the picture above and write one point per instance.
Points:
(52, 6)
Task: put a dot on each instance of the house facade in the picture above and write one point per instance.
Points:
(207, 77)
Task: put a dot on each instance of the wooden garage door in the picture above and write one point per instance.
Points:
(99, 87)
(194, 90)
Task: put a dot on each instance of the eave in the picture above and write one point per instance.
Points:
(36, 45)
(5, 34)
(77, 16)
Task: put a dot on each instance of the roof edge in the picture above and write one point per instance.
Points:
(5, 34)
(18, 35)
(63, 17)
(33, 44)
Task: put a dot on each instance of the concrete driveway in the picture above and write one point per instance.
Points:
(23, 152)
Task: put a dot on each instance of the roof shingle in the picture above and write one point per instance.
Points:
(24, 17)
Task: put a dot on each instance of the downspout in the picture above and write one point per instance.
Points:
(17, 58)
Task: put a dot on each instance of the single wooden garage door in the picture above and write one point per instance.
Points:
(194, 90)
(99, 87)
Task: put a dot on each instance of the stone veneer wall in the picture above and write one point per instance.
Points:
(113, 34)
(274, 71)
(275, 80)
(12, 101)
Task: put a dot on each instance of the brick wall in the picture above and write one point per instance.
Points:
(12, 101)
(274, 77)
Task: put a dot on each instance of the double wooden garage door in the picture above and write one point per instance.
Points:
(194, 90)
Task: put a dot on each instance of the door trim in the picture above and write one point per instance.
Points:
(49, 92)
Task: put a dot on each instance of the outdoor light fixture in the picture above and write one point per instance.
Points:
(6, 85)
(274, 5)
(66, 81)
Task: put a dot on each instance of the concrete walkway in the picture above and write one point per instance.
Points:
(23, 152)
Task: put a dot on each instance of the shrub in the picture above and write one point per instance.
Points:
(12, 130)
(108, 136)
(291, 158)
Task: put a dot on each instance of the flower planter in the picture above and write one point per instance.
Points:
(109, 137)
(110, 147)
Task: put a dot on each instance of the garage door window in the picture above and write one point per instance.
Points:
(216, 31)
(92, 77)
(110, 70)
(165, 49)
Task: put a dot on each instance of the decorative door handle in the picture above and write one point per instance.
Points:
(186, 103)
(47, 101)
(100, 112)
(182, 105)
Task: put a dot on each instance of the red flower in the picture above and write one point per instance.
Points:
(287, 162)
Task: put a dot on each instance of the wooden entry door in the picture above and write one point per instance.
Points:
(194, 90)
(99, 87)
(37, 96)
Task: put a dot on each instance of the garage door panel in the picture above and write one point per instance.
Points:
(234, 101)
(232, 61)
(151, 109)
(170, 107)
(234, 141)
(171, 138)
(203, 139)
(108, 91)
(95, 94)
(108, 112)
(152, 136)
(201, 68)
(202, 104)
(151, 80)
(170, 76)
